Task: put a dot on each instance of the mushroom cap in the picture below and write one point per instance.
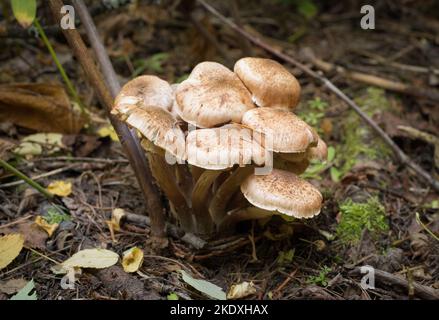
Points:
(284, 131)
(269, 82)
(223, 147)
(212, 95)
(319, 152)
(284, 192)
(144, 91)
(158, 126)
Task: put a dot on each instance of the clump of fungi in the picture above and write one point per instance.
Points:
(224, 146)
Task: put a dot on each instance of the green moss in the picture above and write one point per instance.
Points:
(358, 141)
(355, 217)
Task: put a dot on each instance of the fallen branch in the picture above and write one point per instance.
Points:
(402, 157)
(420, 290)
(127, 137)
(371, 79)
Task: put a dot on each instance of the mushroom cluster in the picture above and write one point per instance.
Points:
(224, 146)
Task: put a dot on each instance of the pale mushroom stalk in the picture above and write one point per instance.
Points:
(163, 173)
(218, 204)
(200, 198)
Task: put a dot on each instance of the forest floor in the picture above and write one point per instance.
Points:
(376, 212)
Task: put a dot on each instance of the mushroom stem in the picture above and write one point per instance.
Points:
(184, 182)
(218, 204)
(164, 175)
(249, 213)
(200, 196)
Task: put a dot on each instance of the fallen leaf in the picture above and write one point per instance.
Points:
(12, 286)
(132, 259)
(209, 289)
(35, 144)
(10, 247)
(25, 293)
(24, 11)
(239, 291)
(41, 107)
(60, 188)
(49, 228)
(108, 131)
(34, 237)
(172, 296)
(92, 258)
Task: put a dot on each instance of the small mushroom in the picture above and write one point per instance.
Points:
(162, 137)
(212, 95)
(269, 82)
(319, 152)
(284, 192)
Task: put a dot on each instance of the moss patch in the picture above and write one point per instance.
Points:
(355, 217)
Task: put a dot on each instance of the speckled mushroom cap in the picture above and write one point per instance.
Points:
(158, 126)
(212, 95)
(223, 147)
(284, 192)
(269, 82)
(289, 133)
(144, 91)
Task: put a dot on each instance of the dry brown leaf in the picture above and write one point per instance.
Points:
(12, 286)
(41, 107)
(34, 237)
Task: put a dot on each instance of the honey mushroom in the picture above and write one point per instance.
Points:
(225, 125)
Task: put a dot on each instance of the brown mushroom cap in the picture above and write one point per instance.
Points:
(269, 82)
(159, 127)
(144, 91)
(284, 192)
(223, 147)
(212, 95)
(289, 134)
(319, 152)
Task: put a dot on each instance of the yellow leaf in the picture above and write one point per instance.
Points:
(10, 247)
(239, 291)
(114, 223)
(92, 258)
(132, 259)
(108, 131)
(60, 188)
(49, 228)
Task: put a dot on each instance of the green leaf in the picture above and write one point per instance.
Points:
(172, 296)
(335, 174)
(25, 293)
(24, 11)
(209, 289)
(307, 8)
(331, 153)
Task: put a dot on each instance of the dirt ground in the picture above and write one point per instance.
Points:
(311, 259)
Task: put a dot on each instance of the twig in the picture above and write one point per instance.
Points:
(37, 177)
(403, 158)
(420, 290)
(26, 179)
(171, 229)
(127, 137)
